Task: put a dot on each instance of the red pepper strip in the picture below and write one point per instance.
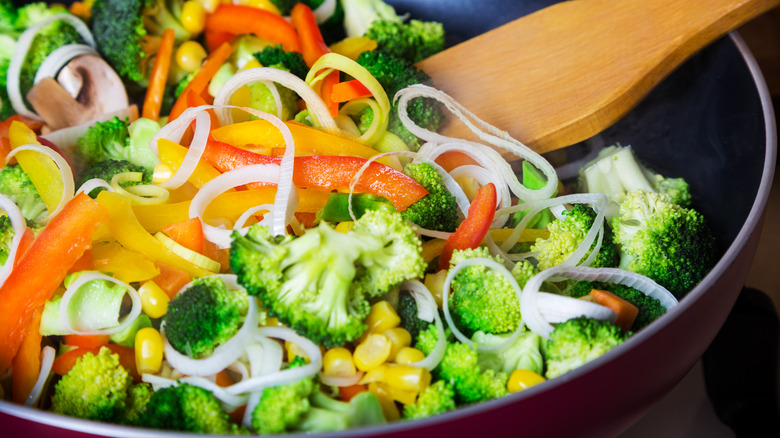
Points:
(56, 248)
(324, 172)
(200, 82)
(312, 44)
(86, 341)
(452, 159)
(239, 19)
(473, 229)
(215, 38)
(188, 233)
(348, 90)
(26, 365)
(326, 92)
(5, 149)
(33, 124)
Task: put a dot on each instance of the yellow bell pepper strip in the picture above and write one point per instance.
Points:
(43, 173)
(352, 47)
(308, 141)
(125, 265)
(42, 269)
(528, 234)
(230, 19)
(474, 228)
(172, 155)
(126, 229)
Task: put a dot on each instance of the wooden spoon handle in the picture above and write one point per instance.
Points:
(563, 74)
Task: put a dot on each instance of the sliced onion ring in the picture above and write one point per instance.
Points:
(19, 226)
(135, 309)
(426, 308)
(47, 360)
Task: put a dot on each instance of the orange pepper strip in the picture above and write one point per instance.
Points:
(348, 90)
(312, 44)
(625, 311)
(26, 364)
(86, 341)
(56, 248)
(240, 19)
(474, 228)
(187, 233)
(200, 82)
(156, 89)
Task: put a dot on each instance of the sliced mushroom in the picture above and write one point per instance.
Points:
(85, 88)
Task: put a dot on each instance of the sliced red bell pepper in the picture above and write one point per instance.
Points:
(452, 159)
(240, 19)
(43, 267)
(312, 44)
(188, 233)
(26, 364)
(326, 92)
(86, 341)
(348, 90)
(472, 230)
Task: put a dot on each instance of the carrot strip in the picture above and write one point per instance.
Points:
(188, 234)
(26, 364)
(348, 90)
(156, 89)
(200, 82)
(625, 311)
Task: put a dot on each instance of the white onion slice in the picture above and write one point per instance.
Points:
(485, 176)
(20, 53)
(194, 152)
(59, 58)
(556, 308)
(47, 360)
(144, 194)
(341, 380)
(135, 309)
(94, 183)
(529, 302)
(224, 354)
(241, 221)
(324, 11)
(426, 308)
(66, 173)
(19, 225)
(272, 358)
(286, 376)
(229, 400)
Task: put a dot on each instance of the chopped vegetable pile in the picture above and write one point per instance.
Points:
(249, 224)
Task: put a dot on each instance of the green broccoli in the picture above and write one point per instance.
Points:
(525, 352)
(522, 271)
(438, 210)
(649, 308)
(360, 14)
(8, 17)
(17, 186)
(460, 367)
(95, 388)
(661, 240)
(116, 139)
(138, 397)
(204, 316)
(617, 171)
(301, 406)
(337, 207)
(276, 57)
(567, 234)
(6, 235)
(394, 74)
(107, 169)
(413, 41)
(481, 298)
(437, 398)
(187, 408)
(320, 283)
(121, 26)
(407, 312)
(580, 340)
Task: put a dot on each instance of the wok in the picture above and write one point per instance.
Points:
(710, 122)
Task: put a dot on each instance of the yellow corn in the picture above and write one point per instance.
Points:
(407, 355)
(521, 379)
(210, 5)
(190, 55)
(338, 362)
(374, 375)
(382, 317)
(435, 284)
(382, 393)
(408, 377)
(372, 352)
(344, 227)
(154, 300)
(193, 16)
(403, 396)
(399, 338)
(148, 350)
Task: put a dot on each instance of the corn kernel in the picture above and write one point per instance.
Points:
(190, 55)
(372, 352)
(338, 362)
(435, 284)
(382, 317)
(344, 227)
(408, 377)
(148, 350)
(407, 355)
(193, 16)
(521, 379)
(154, 300)
(374, 375)
(403, 396)
(399, 338)
(382, 394)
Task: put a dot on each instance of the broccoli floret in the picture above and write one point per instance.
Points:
(337, 207)
(649, 308)
(460, 367)
(617, 171)
(6, 235)
(525, 352)
(522, 271)
(437, 398)
(275, 56)
(17, 186)
(567, 234)
(121, 26)
(408, 313)
(580, 340)
(107, 169)
(116, 139)
(394, 74)
(301, 406)
(438, 210)
(95, 388)
(8, 17)
(320, 283)
(204, 316)
(33, 13)
(187, 408)
(414, 40)
(661, 240)
(481, 298)
(138, 397)
(360, 14)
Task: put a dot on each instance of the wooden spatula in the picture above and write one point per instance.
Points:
(563, 74)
